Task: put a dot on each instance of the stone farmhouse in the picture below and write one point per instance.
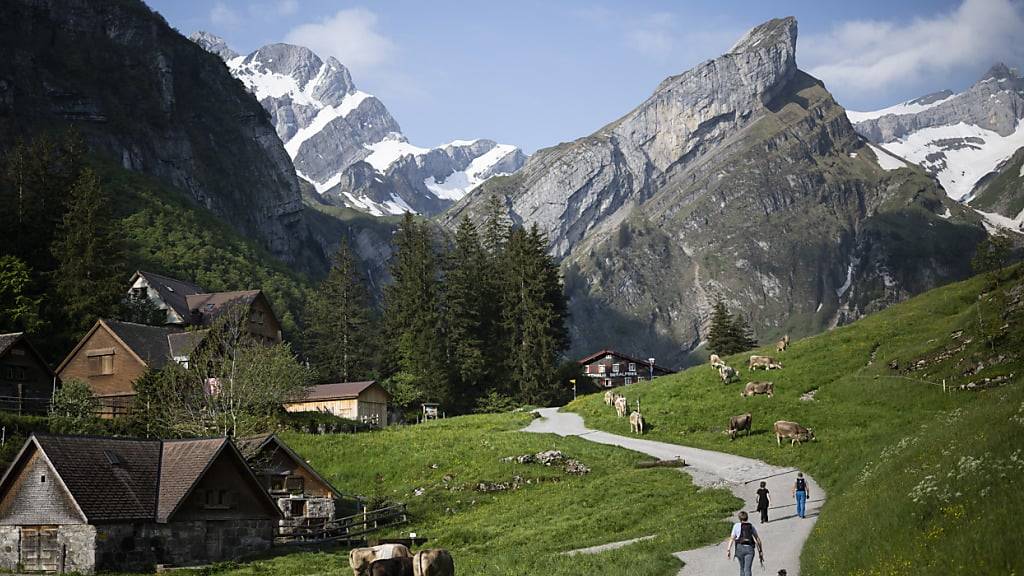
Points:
(304, 498)
(365, 402)
(27, 382)
(84, 504)
(608, 369)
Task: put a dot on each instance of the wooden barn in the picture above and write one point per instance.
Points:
(362, 401)
(608, 369)
(84, 504)
(303, 496)
(27, 382)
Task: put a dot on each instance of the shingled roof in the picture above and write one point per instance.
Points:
(171, 290)
(253, 446)
(8, 340)
(210, 306)
(338, 391)
(120, 479)
(149, 342)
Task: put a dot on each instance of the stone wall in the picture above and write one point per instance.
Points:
(78, 543)
(316, 507)
(137, 547)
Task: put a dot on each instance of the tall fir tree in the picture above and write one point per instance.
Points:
(89, 277)
(414, 313)
(728, 334)
(468, 313)
(534, 313)
(340, 324)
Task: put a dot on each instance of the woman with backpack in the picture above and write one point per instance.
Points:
(801, 493)
(745, 539)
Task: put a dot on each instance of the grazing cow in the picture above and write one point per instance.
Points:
(609, 397)
(716, 361)
(359, 559)
(759, 387)
(621, 406)
(766, 362)
(795, 432)
(391, 567)
(782, 344)
(636, 423)
(739, 423)
(728, 374)
(433, 562)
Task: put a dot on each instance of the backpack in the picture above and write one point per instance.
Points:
(746, 534)
(801, 485)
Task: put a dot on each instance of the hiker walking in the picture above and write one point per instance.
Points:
(801, 494)
(744, 538)
(762, 502)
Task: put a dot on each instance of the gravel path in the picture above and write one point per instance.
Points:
(783, 536)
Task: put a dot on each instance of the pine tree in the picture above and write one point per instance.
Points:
(340, 325)
(728, 334)
(414, 314)
(534, 315)
(468, 307)
(89, 253)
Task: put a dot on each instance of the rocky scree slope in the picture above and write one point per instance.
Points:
(154, 102)
(969, 141)
(741, 180)
(346, 143)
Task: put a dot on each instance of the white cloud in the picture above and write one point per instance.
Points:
(652, 35)
(223, 16)
(865, 56)
(350, 35)
(287, 7)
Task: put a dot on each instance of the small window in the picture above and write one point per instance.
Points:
(615, 368)
(218, 500)
(101, 362)
(629, 380)
(601, 369)
(42, 479)
(295, 484)
(588, 368)
(256, 317)
(297, 508)
(208, 307)
(608, 382)
(632, 367)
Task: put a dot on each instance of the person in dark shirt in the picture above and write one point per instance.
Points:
(762, 502)
(801, 493)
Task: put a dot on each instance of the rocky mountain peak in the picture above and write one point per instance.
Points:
(778, 32)
(1000, 71)
(213, 43)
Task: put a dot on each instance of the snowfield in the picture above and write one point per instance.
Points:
(886, 160)
(902, 108)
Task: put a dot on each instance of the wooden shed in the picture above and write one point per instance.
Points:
(361, 401)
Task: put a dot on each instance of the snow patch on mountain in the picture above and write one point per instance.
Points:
(997, 222)
(886, 160)
(326, 115)
(908, 107)
(386, 152)
(959, 155)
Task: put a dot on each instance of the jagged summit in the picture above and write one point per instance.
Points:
(213, 43)
(775, 32)
(1000, 71)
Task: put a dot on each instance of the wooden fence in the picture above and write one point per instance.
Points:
(347, 529)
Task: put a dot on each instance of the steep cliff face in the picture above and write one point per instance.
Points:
(740, 180)
(156, 103)
(346, 144)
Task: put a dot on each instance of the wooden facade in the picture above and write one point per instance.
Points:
(609, 369)
(27, 382)
(365, 402)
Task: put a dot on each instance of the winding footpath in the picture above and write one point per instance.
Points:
(783, 536)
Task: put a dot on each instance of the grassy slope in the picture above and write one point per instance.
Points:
(511, 533)
(912, 474)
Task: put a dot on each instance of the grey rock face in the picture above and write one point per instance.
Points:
(165, 108)
(740, 180)
(213, 43)
(329, 128)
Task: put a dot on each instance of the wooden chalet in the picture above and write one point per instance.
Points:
(85, 504)
(27, 382)
(114, 354)
(608, 369)
(365, 402)
(304, 497)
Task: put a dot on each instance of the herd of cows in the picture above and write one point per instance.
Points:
(782, 428)
(397, 560)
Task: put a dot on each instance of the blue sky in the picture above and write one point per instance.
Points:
(536, 73)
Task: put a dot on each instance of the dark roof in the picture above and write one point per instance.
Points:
(252, 446)
(105, 490)
(8, 340)
(149, 342)
(211, 305)
(172, 291)
(130, 479)
(183, 343)
(184, 462)
(626, 357)
(339, 391)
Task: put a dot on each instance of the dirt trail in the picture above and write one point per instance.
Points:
(783, 537)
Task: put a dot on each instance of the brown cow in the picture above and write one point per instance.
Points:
(391, 567)
(433, 562)
(766, 362)
(359, 559)
(716, 361)
(738, 424)
(795, 432)
(758, 387)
